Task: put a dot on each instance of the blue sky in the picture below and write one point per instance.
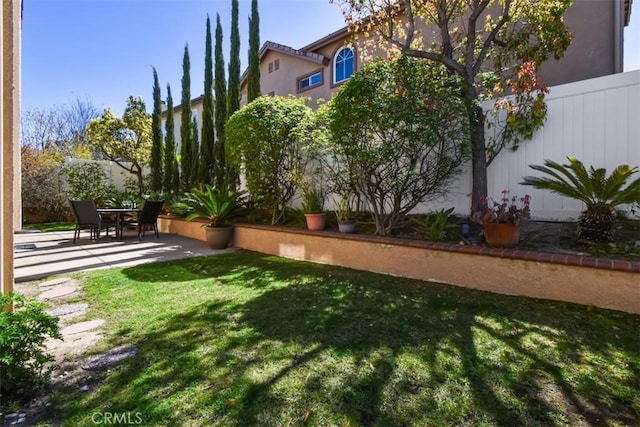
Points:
(104, 50)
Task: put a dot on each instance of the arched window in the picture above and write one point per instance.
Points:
(343, 65)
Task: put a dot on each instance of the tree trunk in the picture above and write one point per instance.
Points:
(478, 151)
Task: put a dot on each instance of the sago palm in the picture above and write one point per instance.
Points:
(218, 207)
(599, 192)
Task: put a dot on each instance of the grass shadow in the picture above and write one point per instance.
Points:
(250, 339)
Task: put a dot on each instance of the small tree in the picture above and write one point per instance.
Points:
(88, 181)
(491, 45)
(62, 128)
(42, 183)
(155, 163)
(268, 136)
(125, 140)
(399, 134)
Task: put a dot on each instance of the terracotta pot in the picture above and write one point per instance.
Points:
(348, 226)
(219, 237)
(316, 221)
(502, 235)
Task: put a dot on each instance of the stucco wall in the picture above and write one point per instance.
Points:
(591, 53)
(605, 288)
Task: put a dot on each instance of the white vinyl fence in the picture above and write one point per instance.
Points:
(596, 121)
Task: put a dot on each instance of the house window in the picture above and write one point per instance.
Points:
(270, 67)
(276, 65)
(312, 80)
(343, 65)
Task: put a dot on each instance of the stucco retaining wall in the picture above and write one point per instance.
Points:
(547, 276)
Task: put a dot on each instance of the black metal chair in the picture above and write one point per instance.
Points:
(147, 218)
(87, 217)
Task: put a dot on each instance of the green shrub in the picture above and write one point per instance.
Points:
(435, 224)
(88, 181)
(24, 364)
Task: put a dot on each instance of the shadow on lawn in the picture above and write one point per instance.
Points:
(367, 349)
(383, 319)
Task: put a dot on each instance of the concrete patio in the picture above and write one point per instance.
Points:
(38, 255)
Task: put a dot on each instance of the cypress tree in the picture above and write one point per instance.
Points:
(186, 144)
(233, 98)
(171, 181)
(207, 156)
(193, 179)
(221, 111)
(253, 76)
(155, 162)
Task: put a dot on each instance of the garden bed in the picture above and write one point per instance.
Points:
(601, 282)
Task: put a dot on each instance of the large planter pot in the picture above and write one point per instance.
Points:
(502, 235)
(218, 237)
(348, 226)
(316, 221)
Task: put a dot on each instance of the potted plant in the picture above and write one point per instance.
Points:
(313, 198)
(219, 208)
(501, 220)
(346, 221)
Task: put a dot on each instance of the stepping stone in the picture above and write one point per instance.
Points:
(55, 282)
(68, 309)
(77, 328)
(58, 291)
(109, 359)
(24, 246)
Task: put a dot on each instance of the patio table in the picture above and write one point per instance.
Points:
(119, 212)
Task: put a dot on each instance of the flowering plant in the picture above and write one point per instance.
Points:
(507, 210)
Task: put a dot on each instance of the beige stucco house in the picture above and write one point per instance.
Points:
(318, 69)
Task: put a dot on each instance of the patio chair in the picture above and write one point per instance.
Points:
(87, 217)
(148, 218)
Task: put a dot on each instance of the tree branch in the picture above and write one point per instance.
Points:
(491, 38)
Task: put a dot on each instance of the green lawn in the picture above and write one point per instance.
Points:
(51, 226)
(249, 339)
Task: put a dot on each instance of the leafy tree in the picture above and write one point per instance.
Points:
(171, 182)
(42, 190)
(128, 139)
(399, 135)
(155, 163)
(490, 45)
(233, 98)
(61, 128)
(88, 181)
(207, 159)
(599, 192)
(253, 71)
(187, 153)
(221, 113)
(268, 137)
